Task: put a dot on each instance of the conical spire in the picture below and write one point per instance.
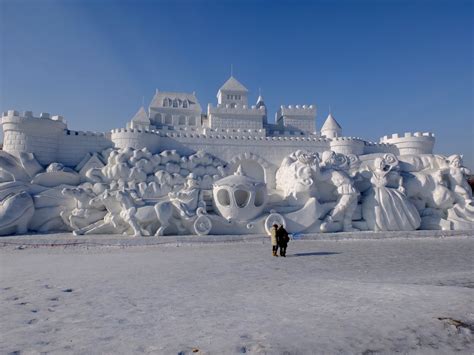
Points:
(141, 116)
(330, 124)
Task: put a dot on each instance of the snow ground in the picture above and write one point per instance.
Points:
(347, 296)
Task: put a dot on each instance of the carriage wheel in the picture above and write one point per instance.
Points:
(202, 225)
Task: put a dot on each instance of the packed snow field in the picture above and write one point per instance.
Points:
(350, 296)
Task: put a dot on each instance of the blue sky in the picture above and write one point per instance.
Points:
(383, 66)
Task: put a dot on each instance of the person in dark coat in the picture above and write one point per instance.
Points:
(283, 239)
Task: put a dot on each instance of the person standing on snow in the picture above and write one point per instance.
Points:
(282, 239)
(274, 239)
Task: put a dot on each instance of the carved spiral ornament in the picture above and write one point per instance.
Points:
(202, 225)
(390, 159)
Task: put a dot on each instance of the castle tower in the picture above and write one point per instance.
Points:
(330, 128)
(232, 111)
(232, 93)
(297, 118)
(38, 135)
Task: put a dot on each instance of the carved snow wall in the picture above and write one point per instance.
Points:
(137, 192)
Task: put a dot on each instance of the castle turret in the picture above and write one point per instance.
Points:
(411, 143)
(38, 135)
(330, 128)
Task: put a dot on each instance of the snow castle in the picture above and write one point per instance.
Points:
(163, 166)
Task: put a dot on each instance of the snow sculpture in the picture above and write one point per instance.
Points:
(137, 193)
(332, 170)
(169, 172)
(239, 197)
(189, 198)
(82, 215)
(385, 206)
(295, 177)
(303, 175)
(457, 177)
(16, 210)
(16, 204)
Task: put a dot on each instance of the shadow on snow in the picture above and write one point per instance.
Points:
(314, 253)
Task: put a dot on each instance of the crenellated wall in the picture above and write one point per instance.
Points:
(48, 138)
(136, 138)
(411, 143)
(347, 145)
(374, 148)
(228, 117)
(26, 133)
(74, 145)
(299, 118)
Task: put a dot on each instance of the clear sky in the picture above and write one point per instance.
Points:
(383, 66)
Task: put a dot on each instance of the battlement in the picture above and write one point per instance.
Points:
(411, 143)
(346, 139)
(219, 134)
(297, 110)
(241, 110)
(347, 145)
(29, 115)
(83, 133)
(406, 135)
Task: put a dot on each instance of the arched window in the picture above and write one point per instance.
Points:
(242, 198)
(223, 197)
(165, 102)
(182, 120)
(175, 103)
(185, 104)
(168, 119)
(192, 121)
(157, 119)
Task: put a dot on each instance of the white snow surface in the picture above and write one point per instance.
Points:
(346, 296)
